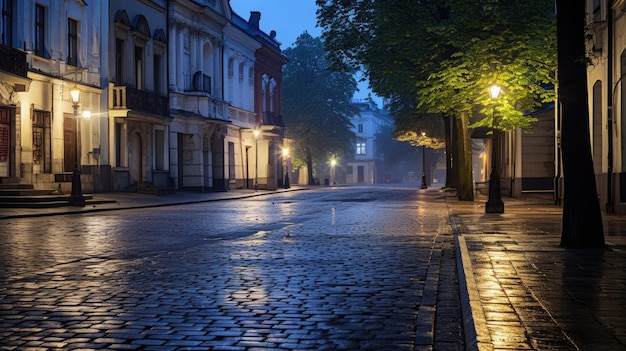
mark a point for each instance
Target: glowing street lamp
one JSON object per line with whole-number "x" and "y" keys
{"x": 494, "y": 203}
{"x": 285, "y": 158}
{"x": 424, "y": 186}
{"x": 256, "y": 159}
{"x": 76, "y": 198}
{"x": 333, "y": 163}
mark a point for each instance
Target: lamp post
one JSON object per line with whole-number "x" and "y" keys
{"x": 424, "y": 186}
{"x": 494, "y": 203}
{"x": 76, "y": 198}
{"x": 333, "y": 163}
{"x": 256, "y": 159}
{"x": 285, "y": 156}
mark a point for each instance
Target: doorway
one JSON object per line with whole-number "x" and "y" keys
{"x": 70, "y": 143}
{"x": 135, "y": 159}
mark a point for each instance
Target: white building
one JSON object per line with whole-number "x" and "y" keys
{"x": 366, "y": 168}
{"x": 49, "y": 47}
{"x": 136, "y": 54}
{"x": 175, "y": 91}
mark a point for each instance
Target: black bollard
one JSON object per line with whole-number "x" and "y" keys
{"x": 287, "y": 181}
{"x": 77, "y": 198}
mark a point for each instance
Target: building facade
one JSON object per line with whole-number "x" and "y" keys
{"x": 171, "y": 94}
{"x": 366, "y": 167}
{"x": 49, "y": 48}
{"x": 136, "y": 55}
{"x": 606, "y": 46}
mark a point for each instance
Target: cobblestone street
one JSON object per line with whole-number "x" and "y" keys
{"x": 332, "y": 270}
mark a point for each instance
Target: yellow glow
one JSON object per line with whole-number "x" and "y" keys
{"x": 256, "y": 133}
{"x": 494, "y": 91}
{"x": 75, "y": 94}
{"x": 285, "y": 152}
{"x": 86, "y": 115}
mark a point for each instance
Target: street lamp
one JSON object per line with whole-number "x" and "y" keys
{"x": 256, "y": 159}
{"x": 333, "y": 163}
{"x": 494, "y": 203}
{"x": 285, "y": 156}
{"x": 77, "y": 198}
{"x": 424, "y": 186}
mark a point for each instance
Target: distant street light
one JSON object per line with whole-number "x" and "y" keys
{"x": 285, "y": 158}
{"x": 76, "y": 198}
{"x": 333, "y": 163}
{"x": 494, "y": 203}
{"x": 424, "y": 186}
{"x": 256, "y": 159}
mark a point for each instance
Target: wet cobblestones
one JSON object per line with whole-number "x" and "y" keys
{"x": 348, "y": 275}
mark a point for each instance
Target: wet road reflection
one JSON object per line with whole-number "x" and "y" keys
{"x": 312, "y": 270}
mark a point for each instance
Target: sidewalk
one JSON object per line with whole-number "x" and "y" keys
{"x": 521, "y": 290}
{"x": 123, "y": 201}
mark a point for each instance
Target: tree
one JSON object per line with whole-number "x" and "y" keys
{"x": 439, "y": 57}
{"x": 316, "y": 104}
{"x": 582, "y": 220}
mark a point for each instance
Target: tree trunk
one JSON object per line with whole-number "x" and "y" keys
{"x": 465, "y": 188}
{"x": 451, "y": 177}
{"x": 582, "y": 219}
{"x": 309, "y": 166}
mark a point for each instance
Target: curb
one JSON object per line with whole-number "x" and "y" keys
{"x": 477, "y": 337}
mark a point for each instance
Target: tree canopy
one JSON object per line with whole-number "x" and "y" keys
{"x": 316, "y": 104}
{"x": 439, "y": 57}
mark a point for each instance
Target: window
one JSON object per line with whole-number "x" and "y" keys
{"x": 360, "y": 148}
{"x": 42, "y": 141}
{"x": 158, "y": 60}
{"x": 7, "y": 22}
{"x": 231, "y": 67}
{"x": 138, "y": 67}
{"x": 251, "y": 76}
{"x": 159, "y": 150}
{"x": 119, "y": 61}
{"x": 360, "y": 127}
{"x": 40, "y": 31}
{"x": 72, "y": 42}
{"x": 241, "y": 73}
{"x": 121, "y": 153}
{"x": 231, "y": 161}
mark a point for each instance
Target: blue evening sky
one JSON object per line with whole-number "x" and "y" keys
{"x": 289, "y": 18}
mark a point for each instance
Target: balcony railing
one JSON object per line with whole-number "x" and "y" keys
{"x": 198, "y": 82}
{"x": 273, "y": 119}
{"x": 13, "y": 61}
{"x": 124, "y": 97}
{"x": 241, "y": 116}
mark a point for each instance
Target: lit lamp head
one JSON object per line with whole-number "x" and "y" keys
{"x": 494, "y": 91}
{"x": 285, "y": 152}
{"x": 75, "y": 95}
{"x": 333, "y": 162}
{"x": 256, "y": 133}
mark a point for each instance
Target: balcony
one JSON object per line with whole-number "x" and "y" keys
{"x": 199, "y": 82}
{"x": 13, "y": 61}
{"x": 242, "y": 117}
{"x": 273, "y": 119}
{"x": 127, "y": 98}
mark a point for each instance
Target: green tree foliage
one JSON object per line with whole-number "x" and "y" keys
{"x": 582, "y": 219}
{"x": 316, "y": 104}
{"x": 441, "y": 56}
